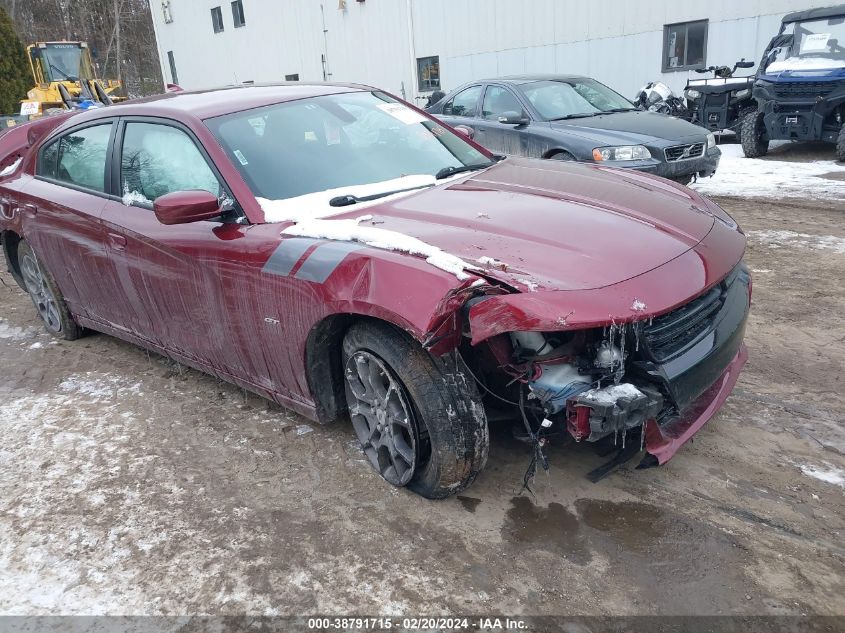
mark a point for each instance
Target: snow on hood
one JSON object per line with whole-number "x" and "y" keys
{"x": 805, "y": 63}
{"x": 349, "y": 230}
{"x": 316, "y": 205}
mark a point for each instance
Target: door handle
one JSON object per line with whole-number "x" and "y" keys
{"x": 117, "y": 241}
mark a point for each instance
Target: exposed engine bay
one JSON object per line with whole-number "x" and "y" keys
{"x": 606, "y": 385}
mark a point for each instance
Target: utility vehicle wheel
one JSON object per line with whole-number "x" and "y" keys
{"x": 736, "y": 128}
{"x": 840, "y": 145}
{"x": 562, "y": 155}
{"x": 419, "y": 419}
{"x": 46, "y": 295}
{"x": 755, "y": 139}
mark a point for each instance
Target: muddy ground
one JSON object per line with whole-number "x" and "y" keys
{"x": 130, "y": 485}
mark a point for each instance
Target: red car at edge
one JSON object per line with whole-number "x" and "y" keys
{"x": 352, "y": 258}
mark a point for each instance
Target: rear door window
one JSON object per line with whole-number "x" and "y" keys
{"x": 464, "y": 103}
{"x": 78, "y": 158}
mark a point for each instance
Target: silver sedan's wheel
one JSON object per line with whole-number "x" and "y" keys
{"x": 382, "y": 417}
{"x": 42, "y": 295}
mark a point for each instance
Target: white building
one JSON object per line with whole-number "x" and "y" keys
{"x": 411, "y": 47}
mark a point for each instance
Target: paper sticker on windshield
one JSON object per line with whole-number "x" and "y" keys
{"x": 815, "y": 42}
{"x": 239, "y": 155}
{"x": 402, "y": 113}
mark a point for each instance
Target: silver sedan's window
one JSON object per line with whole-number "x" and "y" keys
{"x": 557, "y": 99}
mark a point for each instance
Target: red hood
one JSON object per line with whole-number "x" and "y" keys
{"x": 559, "y": 225}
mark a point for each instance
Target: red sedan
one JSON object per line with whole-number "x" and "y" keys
{"x": 352, "y": 258}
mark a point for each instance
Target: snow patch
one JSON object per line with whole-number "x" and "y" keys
{"x": 316, "y": 205}
{"x": 11, "y": 168}
{"x": 766, "y": 178}
{"x": 133, "y": 197}
{"x": 349, "y": 231}
{"x": 303, "y": 429}
{"x": 829, "y": 474}
{"x": 638, "y": 306}
{"x": 98, "y": 388}
{"x": 779, "y": 239}
{"x": 13, "y": 332}
{"x": 609, "y": 395}
{"x": 492, "y": 262}
{"x": 804, "y": 63}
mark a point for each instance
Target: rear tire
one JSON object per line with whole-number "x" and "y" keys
{"x": 46, "y": 296}
{"x": 840, "y": 145}
{"x": 755, "y": 139}
{"x": 429, "y": 412}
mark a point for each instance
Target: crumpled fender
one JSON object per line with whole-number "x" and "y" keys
{"x": 653, "y": 293}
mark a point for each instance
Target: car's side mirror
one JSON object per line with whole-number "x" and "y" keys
{"x": 744, "y": 64}
{"x": 464, "y": 130}
{"x": 184, "y": 207}
{"x": 512, "y": 117}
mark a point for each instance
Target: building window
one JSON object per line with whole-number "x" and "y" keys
{"x": 684, "y": 45}
{"x": 174, "y": 78}
{"x": 293, "y": 77}
{"x": 166, "y": 11}
{"x": 217, "y": 19}
{"x": 238, "y": 13}
{"x": 428, "y": 73}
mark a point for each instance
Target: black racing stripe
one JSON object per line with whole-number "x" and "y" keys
{"x": 286, "y": 255}
{"x": 324, "y": 259}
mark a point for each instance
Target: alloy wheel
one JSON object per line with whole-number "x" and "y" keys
{"x": 382, "y": 417}
{"x": 42, "y": 296}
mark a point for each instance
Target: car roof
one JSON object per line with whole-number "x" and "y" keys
{"x": 524, "y": 79}
{"x": 814, "y": 14}
{"x": 205, "y": 104}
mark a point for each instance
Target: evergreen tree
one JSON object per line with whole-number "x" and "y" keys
{"x": 15, "y": 76}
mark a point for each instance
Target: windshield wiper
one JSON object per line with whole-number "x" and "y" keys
{"x": 451, "y": 170}
{"x": 64, "y": 74}
{"x": 578, "y": 115}
{"x": 345, "y": 201}
{"x": 620, "y": 110}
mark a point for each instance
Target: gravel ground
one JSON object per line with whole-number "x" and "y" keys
{"x": 130, "y": 485}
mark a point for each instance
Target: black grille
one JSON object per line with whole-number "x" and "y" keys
{"x": 675, "y": 331}
{"x": 804, "y": 90}
{"x": 683, "y": 152}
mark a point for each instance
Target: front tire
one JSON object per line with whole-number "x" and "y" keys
{"x": 419, "y": 419}
{"x": 755, "y": 138}
{"x": 840, "y": 145}
{"x": 46, "y": 296}
{"x": 563, "y": 155}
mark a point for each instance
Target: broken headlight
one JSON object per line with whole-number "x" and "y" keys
{"x": 692, "y": 94}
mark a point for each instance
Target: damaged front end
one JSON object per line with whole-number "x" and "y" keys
{"x": 648, "y": 382}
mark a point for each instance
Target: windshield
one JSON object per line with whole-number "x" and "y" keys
{"x": 573, "y": 97}
{"x": 331, "y": 142}
{"x": 822, "y": 39}
{"x": 63, "y": 62}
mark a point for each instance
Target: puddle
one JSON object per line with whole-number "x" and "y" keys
{"x": 656, "y": 550}
{"x": 469, "y": 503}
{"x": 553, "y": 528}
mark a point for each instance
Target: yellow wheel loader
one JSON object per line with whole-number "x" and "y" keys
{"x": 64, "y": 75}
